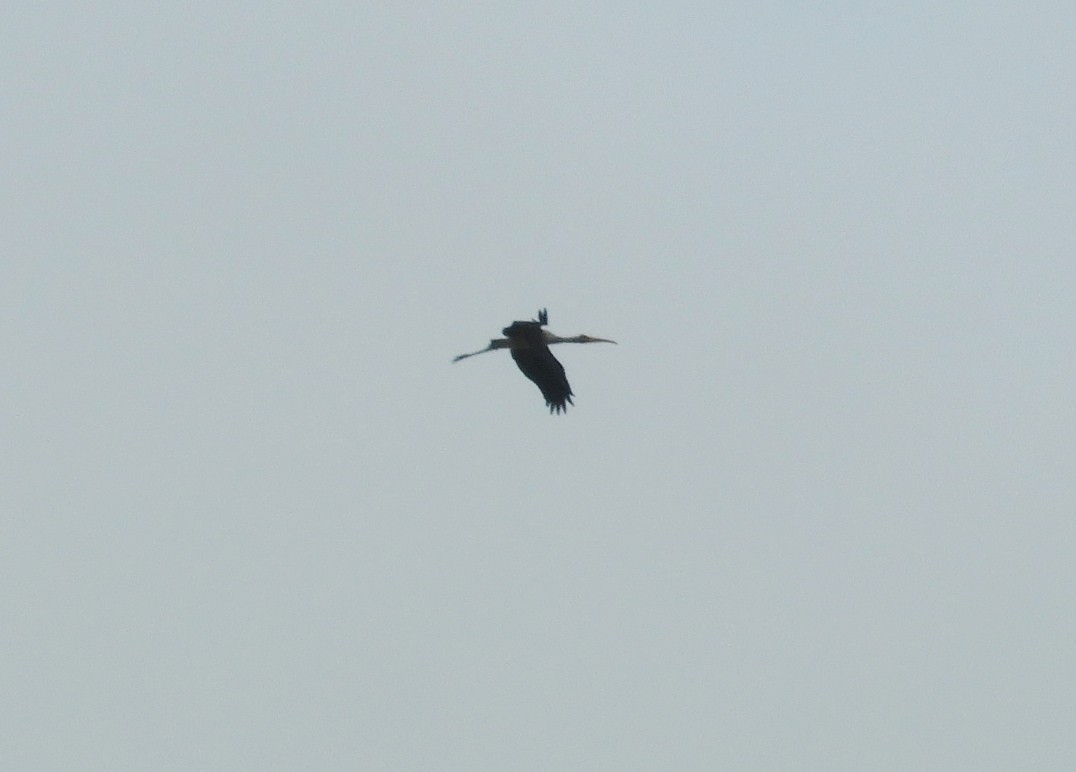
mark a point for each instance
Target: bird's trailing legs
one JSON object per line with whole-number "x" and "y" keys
{"x": 493, "y": 345}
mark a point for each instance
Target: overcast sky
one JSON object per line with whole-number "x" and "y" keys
{"x": 814, "y": 512}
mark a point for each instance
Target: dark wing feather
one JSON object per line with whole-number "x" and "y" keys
{"x": 539, "y": 364}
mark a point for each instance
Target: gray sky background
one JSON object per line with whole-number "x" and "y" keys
{"x": 815, "y": 512}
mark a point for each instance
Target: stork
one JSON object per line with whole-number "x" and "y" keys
{"x": 529, "y": 345}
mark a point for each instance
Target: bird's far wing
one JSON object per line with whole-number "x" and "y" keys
{"x": 538, "y": 364}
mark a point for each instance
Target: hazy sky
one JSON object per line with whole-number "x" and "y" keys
{"x": 815, "y": 512}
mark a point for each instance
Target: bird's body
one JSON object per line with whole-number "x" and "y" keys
{"x": 529, "y": 346}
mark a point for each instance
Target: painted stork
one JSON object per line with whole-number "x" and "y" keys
{"x": 529, "y": 345}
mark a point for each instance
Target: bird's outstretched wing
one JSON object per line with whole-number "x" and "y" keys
{"x": 538, "y": 364}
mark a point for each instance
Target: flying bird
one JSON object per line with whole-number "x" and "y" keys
{"x": 529, "y": 345}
